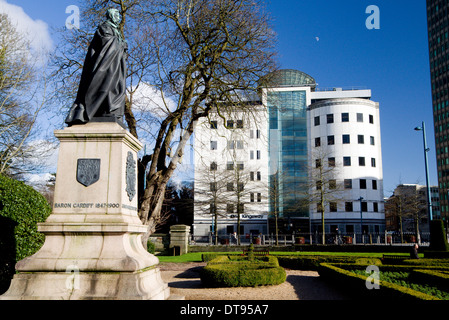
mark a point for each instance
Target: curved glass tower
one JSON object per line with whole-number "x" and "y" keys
{"x": 287, "y": 99}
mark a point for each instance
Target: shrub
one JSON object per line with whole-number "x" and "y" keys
{"x": 352, "y": 283}
{"x": 25, "y": 207}
{"x": 438, "y": 241}
{"x": 241, "y": 272}
{"x": 21, "y": 208}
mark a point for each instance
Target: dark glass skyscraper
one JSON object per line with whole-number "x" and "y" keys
{"x": 438, "y": 29}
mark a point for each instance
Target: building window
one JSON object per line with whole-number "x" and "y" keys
{"x": 330, "y": 118}
{"x": 374, "y": 184}
{"x": 375, "y": 207}
{"x": 349, "y": 207}
{"x": 361, "y": 139}
{"x": 345, "y": 117}
{"x": 257, "y": 134}
{"x": 230, "y": 186}
{"x": 332, "y": 184}
{"x": 251, "y": 134}
{"x": 317, "y": 121}
{"x": 240, "y": 208}
{"x": 371, "y": 119}
{"x": 251, "y": 197}
{"x": 239, "y": 124}
{"x": 239, "y": 144}
{"x": 258, "y": 154}
{"x": 213, "y": 145}
{"x": 371, "y": 141}
{"x": 259, "y": 197}
{"x": 251, "y": 155}
{"x": 251, "y": 176}
{"x": 362, "y": 161}
{"x": 213, "y": 166}
{"x": 359, "y": 117}
{"x": 373, "y": 162}
{"x": 213, "y": 186}
{"x": 213, "y": 208}
{"x": 364, "y": 206}
{"x": 317, "y": 142}
{"x": 331, "y": 162}
{"x": 346, "y": 139}
{"x": 230, "y": 208}
{"x": 348, "y": 183}
{"x": 333, "y": 207}
{"x": 347, "y": 161}
{"x": 230, "y": 124}
{"x": 259, "y": 176}
{"x": 362, "y": 183}
{"x": 240, "y": 187}
{"x": 330, "y": 140}
{"x": 213, "y": 124}
{"x": 230, "y": 166}
{"x": 240, "y": 166}
{"x": 318, "y": 163}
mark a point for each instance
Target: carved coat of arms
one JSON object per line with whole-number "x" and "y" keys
{"x": 88, "y": 171}
{"x": 130, "y": 176}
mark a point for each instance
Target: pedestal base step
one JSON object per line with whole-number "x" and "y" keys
{"x": 146, "y": 285}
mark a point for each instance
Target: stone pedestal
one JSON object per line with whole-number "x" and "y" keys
{"x": 179, "y": 239}
{"x": 92, "y": 246}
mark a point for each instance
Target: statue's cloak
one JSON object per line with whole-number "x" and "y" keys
{"x": 102, "y": 86}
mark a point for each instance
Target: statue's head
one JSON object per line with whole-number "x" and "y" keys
{"x": 114, "y": 16}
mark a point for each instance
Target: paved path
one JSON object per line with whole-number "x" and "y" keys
{"x": 184, "y": 279}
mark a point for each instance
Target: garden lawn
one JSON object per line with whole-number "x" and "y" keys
{"x": 197, "y": 256}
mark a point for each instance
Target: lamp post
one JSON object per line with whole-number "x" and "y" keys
{"x": 361, "y": 217}
{"x": 426, "y": 150}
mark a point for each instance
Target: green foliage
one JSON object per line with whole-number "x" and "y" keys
{"x": 354, "y": 280}
{"x": 25, "y": 207}
{"x": 241, "y": 272}
{"x": 438, "y": 241}
{"x": 151, "y": 247}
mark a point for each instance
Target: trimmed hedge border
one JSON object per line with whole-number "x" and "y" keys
{"x": 355, "y": 285}
{"x": 224, "y": 272}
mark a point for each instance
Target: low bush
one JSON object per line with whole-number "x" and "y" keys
{"x": 21, "y": 208}
{"x": 353, "y": 281}
{"x": 224, "y": 271}
{"x": 305, "y": 262}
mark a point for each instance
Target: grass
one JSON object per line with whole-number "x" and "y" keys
{"x": 196, "y": 256}
{"x": 403, "y": 279}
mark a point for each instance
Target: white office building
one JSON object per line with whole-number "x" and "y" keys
{"x": 231, "y": 174}
{"x": 253, "y": 167}
{"x": 345, "y": 131}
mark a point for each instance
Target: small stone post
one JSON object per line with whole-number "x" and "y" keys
{"x": 179, "y": 239}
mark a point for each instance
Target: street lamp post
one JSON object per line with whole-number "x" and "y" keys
{"x": 361, "y": 218}
{"x": 426, "y": 150}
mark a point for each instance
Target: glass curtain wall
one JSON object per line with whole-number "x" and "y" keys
{"x": 287, "y": 153}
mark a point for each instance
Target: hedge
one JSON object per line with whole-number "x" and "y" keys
{"x": 355, "y": 285}
{"x": 224, "y": 272}
{"x": 21, "y": 208}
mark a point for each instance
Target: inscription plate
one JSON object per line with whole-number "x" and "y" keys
{"x": 88, "y": 171}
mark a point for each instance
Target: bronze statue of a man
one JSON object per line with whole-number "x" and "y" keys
{"x": 102, "y": 89}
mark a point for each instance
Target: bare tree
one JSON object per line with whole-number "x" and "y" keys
{"x": 197, "y": 55}
{"x": 324, "y": 189}
{"x": 408, "y": 202}
{"x": 211, "y": 184}
{"x": 19, "y": 102}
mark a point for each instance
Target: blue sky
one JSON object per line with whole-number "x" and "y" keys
{"x": 329, "y": 41}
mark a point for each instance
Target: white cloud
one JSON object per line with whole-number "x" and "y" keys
{"x": 36, "y": 31}
{"x": 149, "y": 99}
